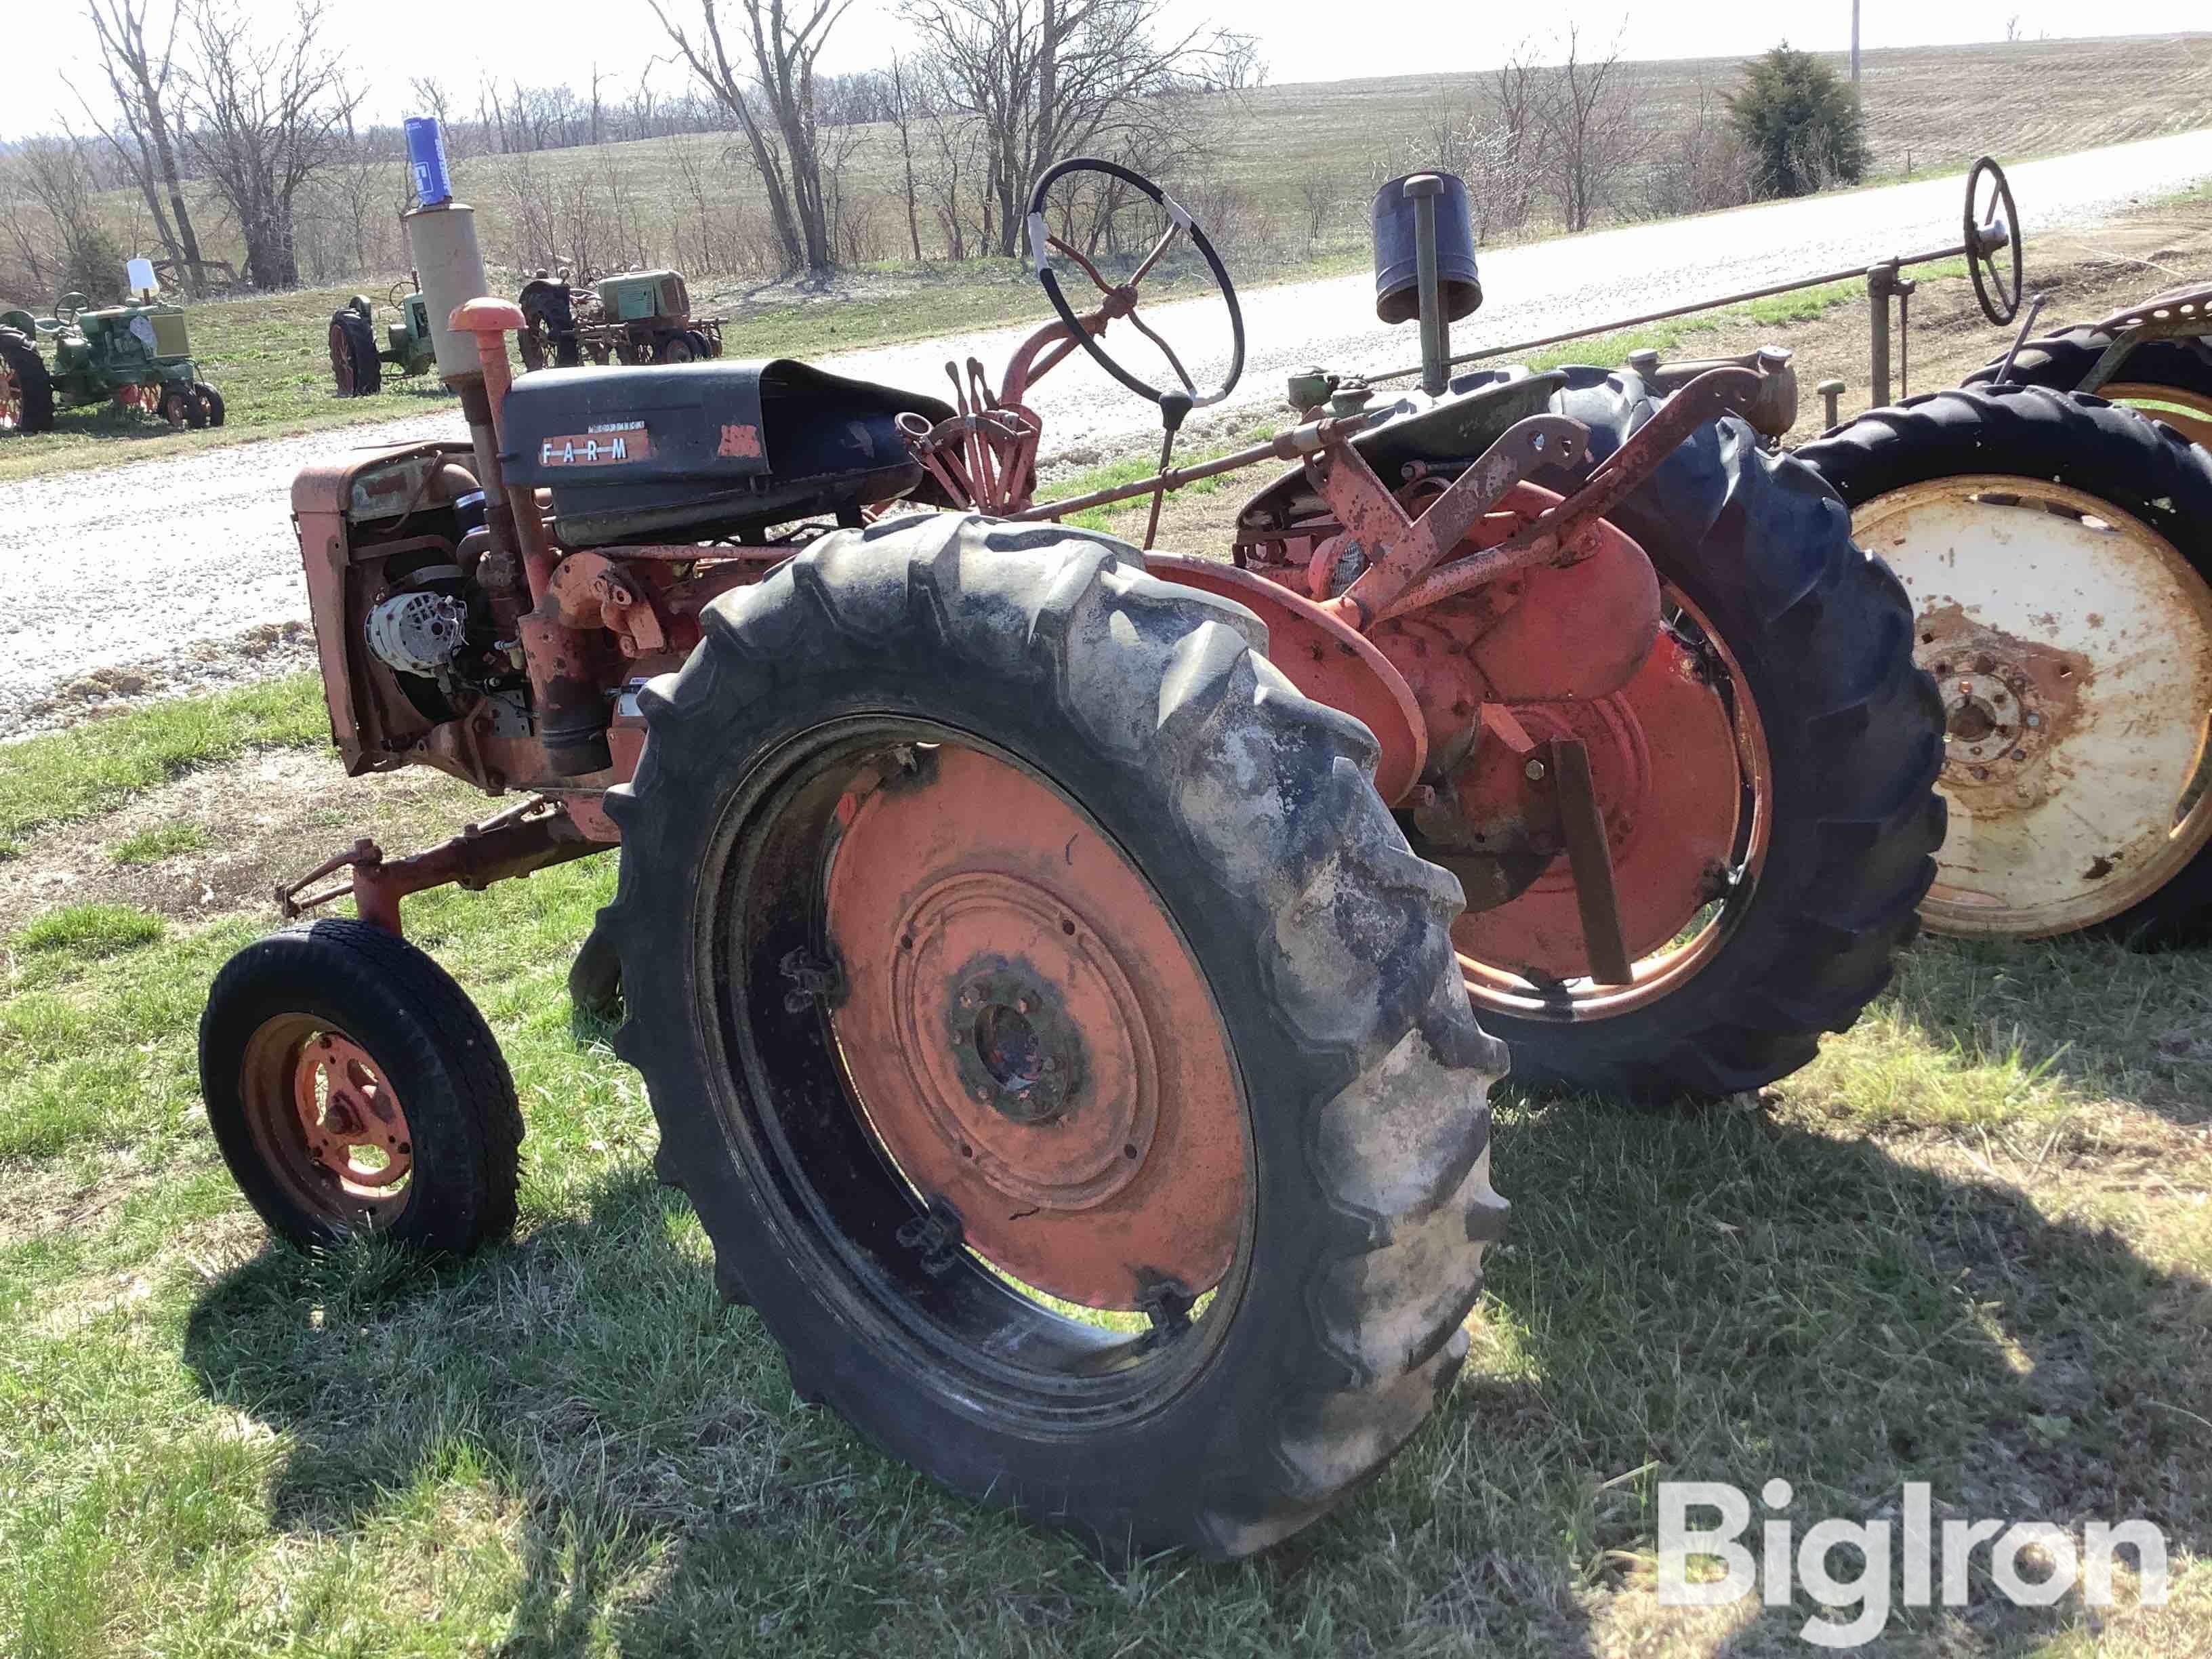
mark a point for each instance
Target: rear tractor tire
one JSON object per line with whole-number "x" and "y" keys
{"x": 998, "y": 930}
{"x": 2058, "y": 550}
{"x": 1773, "y": 816}
{"x": 355, "y": 369}
{"x": 353, "y": 1088}
{"x": 26, "y": 391}
{"x": 2168, "y": 380}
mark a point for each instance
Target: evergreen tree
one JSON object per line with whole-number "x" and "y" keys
{"x": 1802, "y": 123}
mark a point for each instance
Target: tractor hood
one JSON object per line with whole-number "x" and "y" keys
{"x": 699, "y": 450}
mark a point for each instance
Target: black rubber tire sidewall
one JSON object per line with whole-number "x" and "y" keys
{"x": 1853, "y": 732}
{"x": 429, "y": 1038}
{"x": 2102, "y": 449}
{"x": 2061, "y": 361}
{"x": 31, "y": 377}
{"x": 1218, "y": 1446}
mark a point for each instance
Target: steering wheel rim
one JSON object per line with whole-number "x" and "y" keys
{"x": 64, "y": 312}
{"x": 1179, "y": 220}
{"x": 2000, "y": 302}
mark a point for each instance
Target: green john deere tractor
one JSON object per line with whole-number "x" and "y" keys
{"x": 357, "y": 361}
{"x": 637, "y": 317}
{"x": 138, "y": 356}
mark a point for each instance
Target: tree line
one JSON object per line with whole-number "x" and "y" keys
{"x": 196, "y": 112}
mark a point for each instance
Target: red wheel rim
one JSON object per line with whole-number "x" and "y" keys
{"x": 1029, "y": 1037}
{"x": 327, "y": 1122}
{"x": 1679, "y": 762}
{"x": 11, "y": 400}
{"x": 340, "y": 360}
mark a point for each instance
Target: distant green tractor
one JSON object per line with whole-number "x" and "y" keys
{"x": 357, "y": 362}
{"x": 638, "y": 317}
{"x": 138, "y": 356}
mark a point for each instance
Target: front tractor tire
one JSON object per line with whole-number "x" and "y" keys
{"x": 354, "y": 1088}
{"x": 1821, "y": 749}
{"x": 998, "y": 930}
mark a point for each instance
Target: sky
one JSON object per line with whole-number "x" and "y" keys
{"x": 533, "y": 40}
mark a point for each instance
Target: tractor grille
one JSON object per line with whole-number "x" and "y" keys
{"x": 169, "y": 338}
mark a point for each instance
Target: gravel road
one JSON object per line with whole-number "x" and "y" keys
{"x": 157, "y": 565}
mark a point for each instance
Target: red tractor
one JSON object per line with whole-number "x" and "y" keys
{"x": 1061, "y": 972}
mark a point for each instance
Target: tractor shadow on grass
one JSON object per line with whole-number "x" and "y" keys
{"x": 1713, "y": 1295}
{"x": 1725, "y": 1294}
{"x": 2106, "y": 1021}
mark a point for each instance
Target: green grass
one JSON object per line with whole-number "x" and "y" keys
{"x": 91, "y": 930}
{"x": 57, "y": 777}
{"x": 1969, "y": 1246}
{"x": 163, "y": 840}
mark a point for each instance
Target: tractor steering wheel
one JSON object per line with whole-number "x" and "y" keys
{"x": 65, "y": 311}
{"x": 1121, "y": 298}
{"x": 1999, "y": 299}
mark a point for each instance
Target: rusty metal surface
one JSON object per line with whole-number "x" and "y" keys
{"x": 1668, "y": 769}
{"x": 1581, "y": 825}
{"x": 2072, "y": 646}
{"x": 525, "y": 837}
{"x": 1573, "y": 529}
{"x": 327, "y": 1122}
{"x": 1031, "y": 1039}
{"x": 1396, "y": 548}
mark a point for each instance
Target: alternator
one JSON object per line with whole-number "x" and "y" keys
{"x": 417, "y": 633}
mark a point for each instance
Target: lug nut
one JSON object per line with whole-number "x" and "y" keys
{"x": 1534, "y": 770}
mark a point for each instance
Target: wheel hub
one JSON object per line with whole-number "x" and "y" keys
{"x": 349, "y": 1116}
{"x": 2072, "y": 647}
{"x": 1667, "y": 763}
{"x": 1031, "y": 1043}
{"x": 2006, "y": 701}
{"x": 1044, "y": 1080}
{"x": 1014, "y": 1046}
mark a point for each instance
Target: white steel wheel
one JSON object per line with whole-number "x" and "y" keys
{"x": 2072, "y": 645}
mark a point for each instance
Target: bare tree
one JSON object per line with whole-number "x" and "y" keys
{"x": 1046, "y": 78}
{"x": 1697, "y": 164}
{"x": 906, "y": 104}
{"x": 139, "y": 76}
{"x": 1589, "y": 127}
{"x": 56, "y": 239}
{"x": 782, "y": 47}
{"x": 1321, "y": 194}
{"x": 263, "y": 120}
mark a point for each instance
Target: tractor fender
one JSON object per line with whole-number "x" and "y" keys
{"x": 1576, "y": 631}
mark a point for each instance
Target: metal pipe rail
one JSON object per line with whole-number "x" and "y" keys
{"x": 1983, "y": 239}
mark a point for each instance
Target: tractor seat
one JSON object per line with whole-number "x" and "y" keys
{"x": 693, "y": 452}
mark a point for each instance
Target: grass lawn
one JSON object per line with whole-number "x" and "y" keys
{"x": 1971, "y": 1246}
